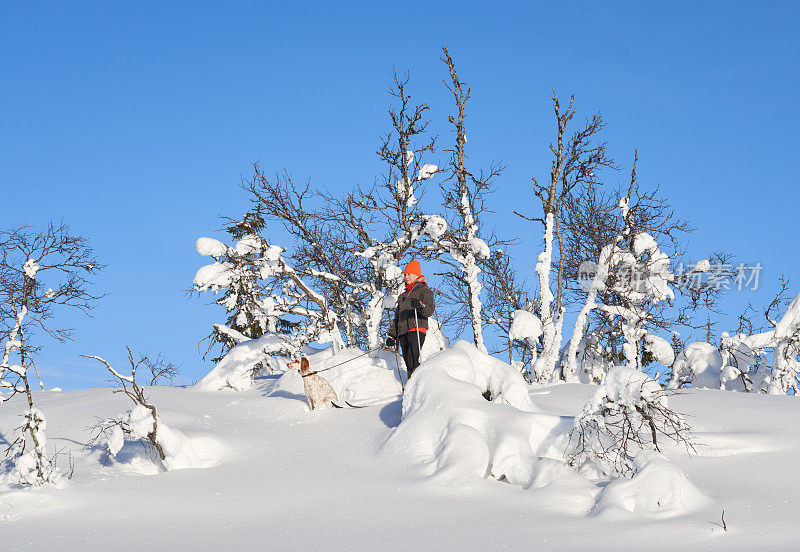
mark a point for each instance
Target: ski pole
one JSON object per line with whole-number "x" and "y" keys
{"x": 399, "y": 376}
{"x": 419, "y": 344}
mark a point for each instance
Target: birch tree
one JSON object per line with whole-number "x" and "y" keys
{"x": 632, "y": 278}
{"x": 464, "y": 191}
{"x": 742, "y": 352}
{"x": 41, "y": 273}
{"x": 576, "y": 160}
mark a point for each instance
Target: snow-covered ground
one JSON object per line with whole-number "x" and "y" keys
{"x": 280, "y": 477}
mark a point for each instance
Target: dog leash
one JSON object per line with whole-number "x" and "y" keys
{"x": 345, "y": 362}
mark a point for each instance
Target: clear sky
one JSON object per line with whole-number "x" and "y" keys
{"x": 134, "y": 121}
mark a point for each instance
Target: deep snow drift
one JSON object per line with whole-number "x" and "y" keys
{"x": 460, "y": 472}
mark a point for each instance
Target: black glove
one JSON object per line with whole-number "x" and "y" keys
{"x": 416, "y": 303}
{"x": 390, "y": 342}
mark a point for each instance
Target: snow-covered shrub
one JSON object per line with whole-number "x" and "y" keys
{"x": 28, "y": 465}
{"x": 740, "y": 362}
{"x": 627, "y": 414}
{"x": 784, "y": 376}
{"x": 173, "y": 449}
{"x": 143, "y": 424}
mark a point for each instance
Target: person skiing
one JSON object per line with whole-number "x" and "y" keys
{"x": 414, "y": 307}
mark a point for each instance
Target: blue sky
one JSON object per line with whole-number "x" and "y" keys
{"x": 134, "y": 122}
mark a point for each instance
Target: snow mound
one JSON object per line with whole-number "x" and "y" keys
{"x": 562, "y": 488}
{"x": 435, "y": 341}
{"x": 660, "y": 489}
{"x": 720, "y": 445}
{"x": 181, "y": 451}
{"x": 238, "y": 367}
{"x": 355, "y": 376}
{"x": 451, "y": 430}
{"x": 184, "y": 451}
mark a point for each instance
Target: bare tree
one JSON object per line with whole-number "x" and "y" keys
{"x": 464, "y": 193}
{"x": 136, "y": 394}
{"x": 41, "y": 272}
{"x": 142, "y": 423}
{"x": 505, "y": 294}
{"x": 160, "y": 369}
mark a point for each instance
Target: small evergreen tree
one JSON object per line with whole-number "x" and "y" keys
{"x": 247, "y": 296}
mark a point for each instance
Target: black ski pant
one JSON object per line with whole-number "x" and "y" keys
{"x": 411, "y": 344}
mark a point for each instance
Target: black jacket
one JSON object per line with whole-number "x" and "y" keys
{"x": 404, "y": 320}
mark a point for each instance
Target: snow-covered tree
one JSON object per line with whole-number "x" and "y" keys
{"x": 752, "y": 359}
{"x": 464, "y": 191}
{"x": 628, "y": 413}
{"x": 296, "y": 296}
{"x": 321, "y": 245}
{"x": 351, "y": 248}
{"x": 631, "y": 283}
{"x": 576, "y": 160}
{"x": 39, "y": 273}
{"x": 741, "y": 354}
{"x": 245, "y": 295}
{"x": 141, "y": 423}
{"x": 631, "y": 267}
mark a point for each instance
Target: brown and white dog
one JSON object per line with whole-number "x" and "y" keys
{"x": 319, "y": 392}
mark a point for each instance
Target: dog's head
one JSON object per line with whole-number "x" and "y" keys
{"x": 300, "y": 364}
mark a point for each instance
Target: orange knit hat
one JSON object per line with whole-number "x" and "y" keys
{"x": 413, "y": 268}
